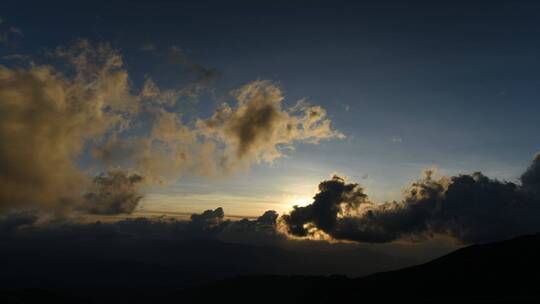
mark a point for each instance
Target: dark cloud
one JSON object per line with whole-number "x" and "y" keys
{"x": 469, "y": 207}
{"x": 265, "y": 224}
{"x": 268, "y": 218}
{"x": 208, "y": 216}
{"x": 334, "y": 196}
{"x": 113, "y": 193}
{"x": 210, "y": 221}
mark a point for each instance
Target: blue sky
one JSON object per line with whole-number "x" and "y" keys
{"x": 412, "y": 85}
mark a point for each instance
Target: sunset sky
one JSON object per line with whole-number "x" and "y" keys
{"x": 405, "y": 87}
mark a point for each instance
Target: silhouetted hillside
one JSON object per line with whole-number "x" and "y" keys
{"x": 501, "y": 272}
{"x": 96, "y": 267}
{"x": 116, "y": 262}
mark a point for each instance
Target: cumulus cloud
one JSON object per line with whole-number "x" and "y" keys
{"x": 258, "y": 126}
{"x": 212, "y": 223}
{"x": 469, "y": 207}
{"x": 334, "y": 197}
{"x": 208, "y": 221}
{"x": 46, "y": 119}
{"x": 50, "y": 115}
{"x": 262, "y": 231}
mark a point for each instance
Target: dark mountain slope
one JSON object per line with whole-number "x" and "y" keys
{"x": 509, "y": 267}
{"x": 502, "y": 272}
{"x": 118, "y": 262}
{"x": 117, "y": 268}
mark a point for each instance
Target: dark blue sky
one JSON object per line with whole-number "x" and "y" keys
{"x": 411, "y": 84}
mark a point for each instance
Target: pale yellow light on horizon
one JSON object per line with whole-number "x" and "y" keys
{"x": 233, "y": 205}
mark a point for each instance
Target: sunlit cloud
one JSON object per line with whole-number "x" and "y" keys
{"x": 130, "y": 132}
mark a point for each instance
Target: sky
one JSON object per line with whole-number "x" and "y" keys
{"x": 210, "y": 139}
{"x": 407, "y": 86}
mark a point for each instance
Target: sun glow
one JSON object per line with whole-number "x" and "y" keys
{"x": 297, "y": 200}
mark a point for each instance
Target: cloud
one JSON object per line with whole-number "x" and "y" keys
{"x": 46, "y": 118}
{"x": 261, "y": 231}
{"x": 208, "y": 221}
{"x": 258, "y": 127}
{"x": 113, "y": 193}
{"x": 266, "y": 224}
{"x": 470, "y": 208}
{"x": 153, "y": 93}
{"x": 212, "y": 223}
{"x": 254, "y": 131}
{"x": 51, "y": 115}
{"x": 334, "y": 198}
{"x": 208, "y": 216}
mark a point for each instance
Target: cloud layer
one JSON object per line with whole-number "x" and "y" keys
{"x": 51, "y": 115}
{"x": 470, "y": 208}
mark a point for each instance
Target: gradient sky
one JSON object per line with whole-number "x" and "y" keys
{"x": 411, "y": 85}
